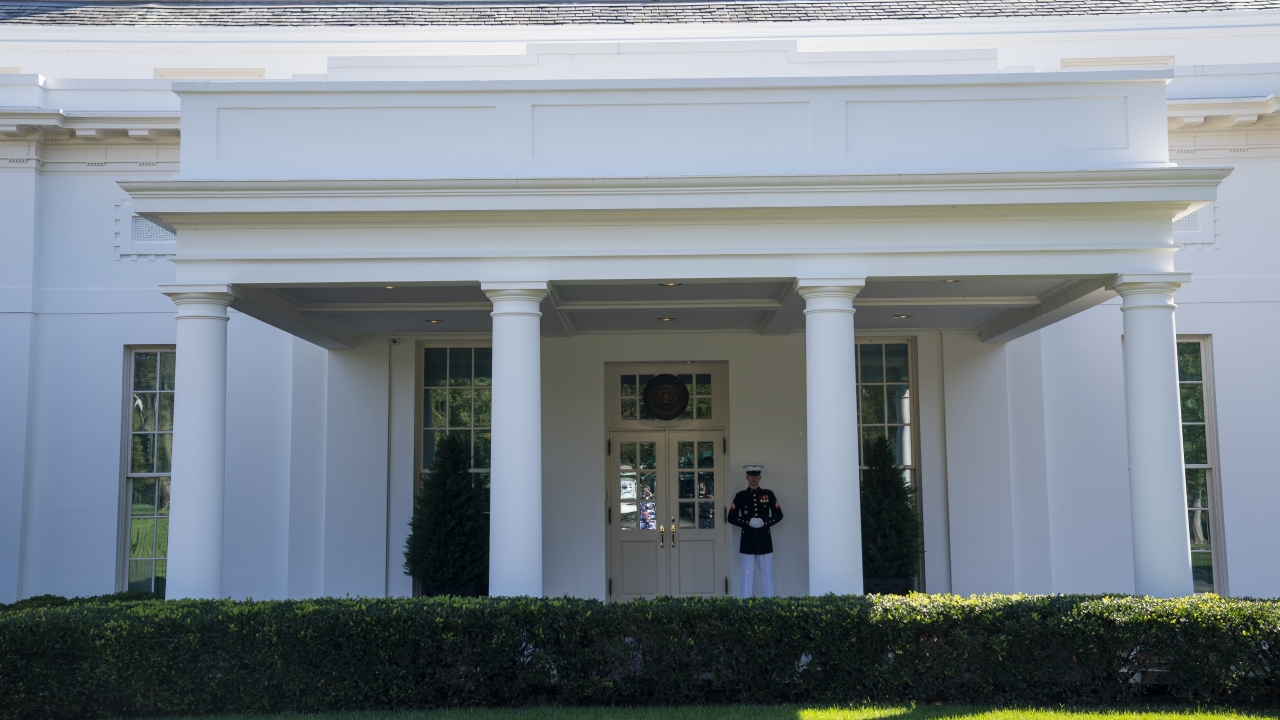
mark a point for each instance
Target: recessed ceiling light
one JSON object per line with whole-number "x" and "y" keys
{"x": 688, "y": 362}
{"x": 950, "y": 281}
{"x": 901, "y": 317}
{"x": 388, "y": 287}
{"x": 433, "y": 322}
{"x": 670, "y": 284}
{"x": 665, "y": 319}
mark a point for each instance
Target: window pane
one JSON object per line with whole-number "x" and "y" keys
{"x": 898, "y": 403}
{"x": 901, "y": 437}
{"x": 648, "y": 516}
{"x": 1198, "y": 523}
{"x": 144, "y": 371}
{"x": 435, "y": 408}
{"x": 644, "y": 380}
{"x": 1192, "y": 402}
{"x": 687, "y": 515}
{"x": 1194, "y": 449}
{"x": 167, "y": 361}
{"x": 627, "y": 486}
{"x": 648, "y": 455}
{"x": 648, "y": 486}
{"x": 704, "y": 408}
{"x": 687, "y": 489}
{"x": 1197, "y": 488}
{"x": 428, "y": 449}
{"x": 161, "y": 572}
{"x": 869, "y": 434}
{"x": 870, "y": 363}
{"x": 627, "y": 456}
{"x": 687, "y": 379}
{"x": 162, "y": 496}
{"x": 433, "y": 366}
{"x": 706, "y": 516}
{"x": 144, "y": 412}
{"x": 140, "y": 575}
{"x": 872, "y": 410}
{"x": 143, "y": 500}
{"x": 162, "y": 537}
{"x": 164, "y": 452}
{"x": 164, "y": 411}
{"x": 644, "y": 412}
{"x": 684, "y": 454}
{"x": 628, "y": 408}
{"x": 703, "y": 385}
{"x": 142, "y": 537}
{"x": 1189, "y": 361}
{"x": 459, "y": 408}
{"x": 706, "y": 484}
{"x": 896, "y": 367}
{"x": 459, "y": 366}
{"x": 628, "y": 386}
{"x": 484, "y": 407}
{"x": 627, "y": 518}
{"x": 142, "y": 455}
{"x": 482, "y": 441}
{"x": 706, "y": 454}
{"x": 484, "y": 366}
{"x": 1202, "y": 571}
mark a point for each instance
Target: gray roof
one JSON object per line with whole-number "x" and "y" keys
{"x": 624, "y": 12}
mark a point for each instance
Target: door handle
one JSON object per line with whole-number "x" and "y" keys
{"x": 662, "y": 535}
{"x": 673, "y": 531}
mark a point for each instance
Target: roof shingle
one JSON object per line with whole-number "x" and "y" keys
{"x": 623, "y": 12}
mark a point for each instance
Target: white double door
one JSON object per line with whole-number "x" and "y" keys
{"x": 668, "y": 493}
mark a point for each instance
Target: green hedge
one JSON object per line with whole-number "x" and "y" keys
{"x": 179, "y": 657}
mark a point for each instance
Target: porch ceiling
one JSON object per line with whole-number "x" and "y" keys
{"x": 764, "y": 305}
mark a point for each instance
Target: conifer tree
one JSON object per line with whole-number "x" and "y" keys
{"x": 448, "y": 547}
{"x": 891, "y": 534}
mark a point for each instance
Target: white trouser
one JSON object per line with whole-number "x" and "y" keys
{"x": 749, "y": 563}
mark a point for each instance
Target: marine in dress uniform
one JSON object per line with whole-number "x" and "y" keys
{"x": 755, "y": 510}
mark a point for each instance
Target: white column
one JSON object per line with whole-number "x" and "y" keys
{"x": 515, "y": 480}
{"x": 199, "y": 441}
{"x": 1157, "y": 488}
{"x": 831, "y": 392}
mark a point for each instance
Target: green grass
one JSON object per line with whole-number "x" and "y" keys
{"x": 759, "y": 712}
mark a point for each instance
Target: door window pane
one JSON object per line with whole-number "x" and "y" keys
{"x": 648, "y": 456}
{"x": 706, "y": 516}
{"x": 627, "y": 518}
{"x": 688, "y": 515}
{"x": 687, "y": 488}
{"x": 648, "y": 516}
{"x": 706, "y": 484}
{"x": 706, "y": 454}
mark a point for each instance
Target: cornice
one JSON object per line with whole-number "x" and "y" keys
{"x": 1226, "y": 129}
{"x": 165, "y": 201}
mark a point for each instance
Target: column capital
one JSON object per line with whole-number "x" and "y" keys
{"x": 1148, "y": 290}
{"x": 202, "y": 300}
{"x": 829, "y": 294}
{"x": 516, "y": 297}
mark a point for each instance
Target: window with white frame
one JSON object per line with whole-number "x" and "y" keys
{"x": 886, "y": 407}
{"x": 1199, "y": 455}
{"x": 148, "y": 459}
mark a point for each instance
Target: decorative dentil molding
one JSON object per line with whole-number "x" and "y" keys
{"x": 1225, "y": 128}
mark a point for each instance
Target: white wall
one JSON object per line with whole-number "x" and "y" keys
{"x": 255, "y": 547}
{"x": 355, "y": 503}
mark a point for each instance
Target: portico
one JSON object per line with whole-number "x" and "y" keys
{"x": 538, "y": 228}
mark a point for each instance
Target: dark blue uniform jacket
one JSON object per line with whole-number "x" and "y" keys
{"x": 761, "y": 504}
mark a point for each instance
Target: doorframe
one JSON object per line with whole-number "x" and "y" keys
{"x": 613, "y": 423}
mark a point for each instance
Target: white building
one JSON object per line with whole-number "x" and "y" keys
{"x": 498, "y": 219}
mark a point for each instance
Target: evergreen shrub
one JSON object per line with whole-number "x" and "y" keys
{"x": 892, "y": 539}
{"x": 447, "y": 551}
{"x": 194, "y": 657}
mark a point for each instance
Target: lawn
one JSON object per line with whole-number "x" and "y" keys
{"x": 758, "y": 712}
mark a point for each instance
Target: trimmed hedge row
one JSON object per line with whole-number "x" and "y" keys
{"x": 194, "y": 657}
